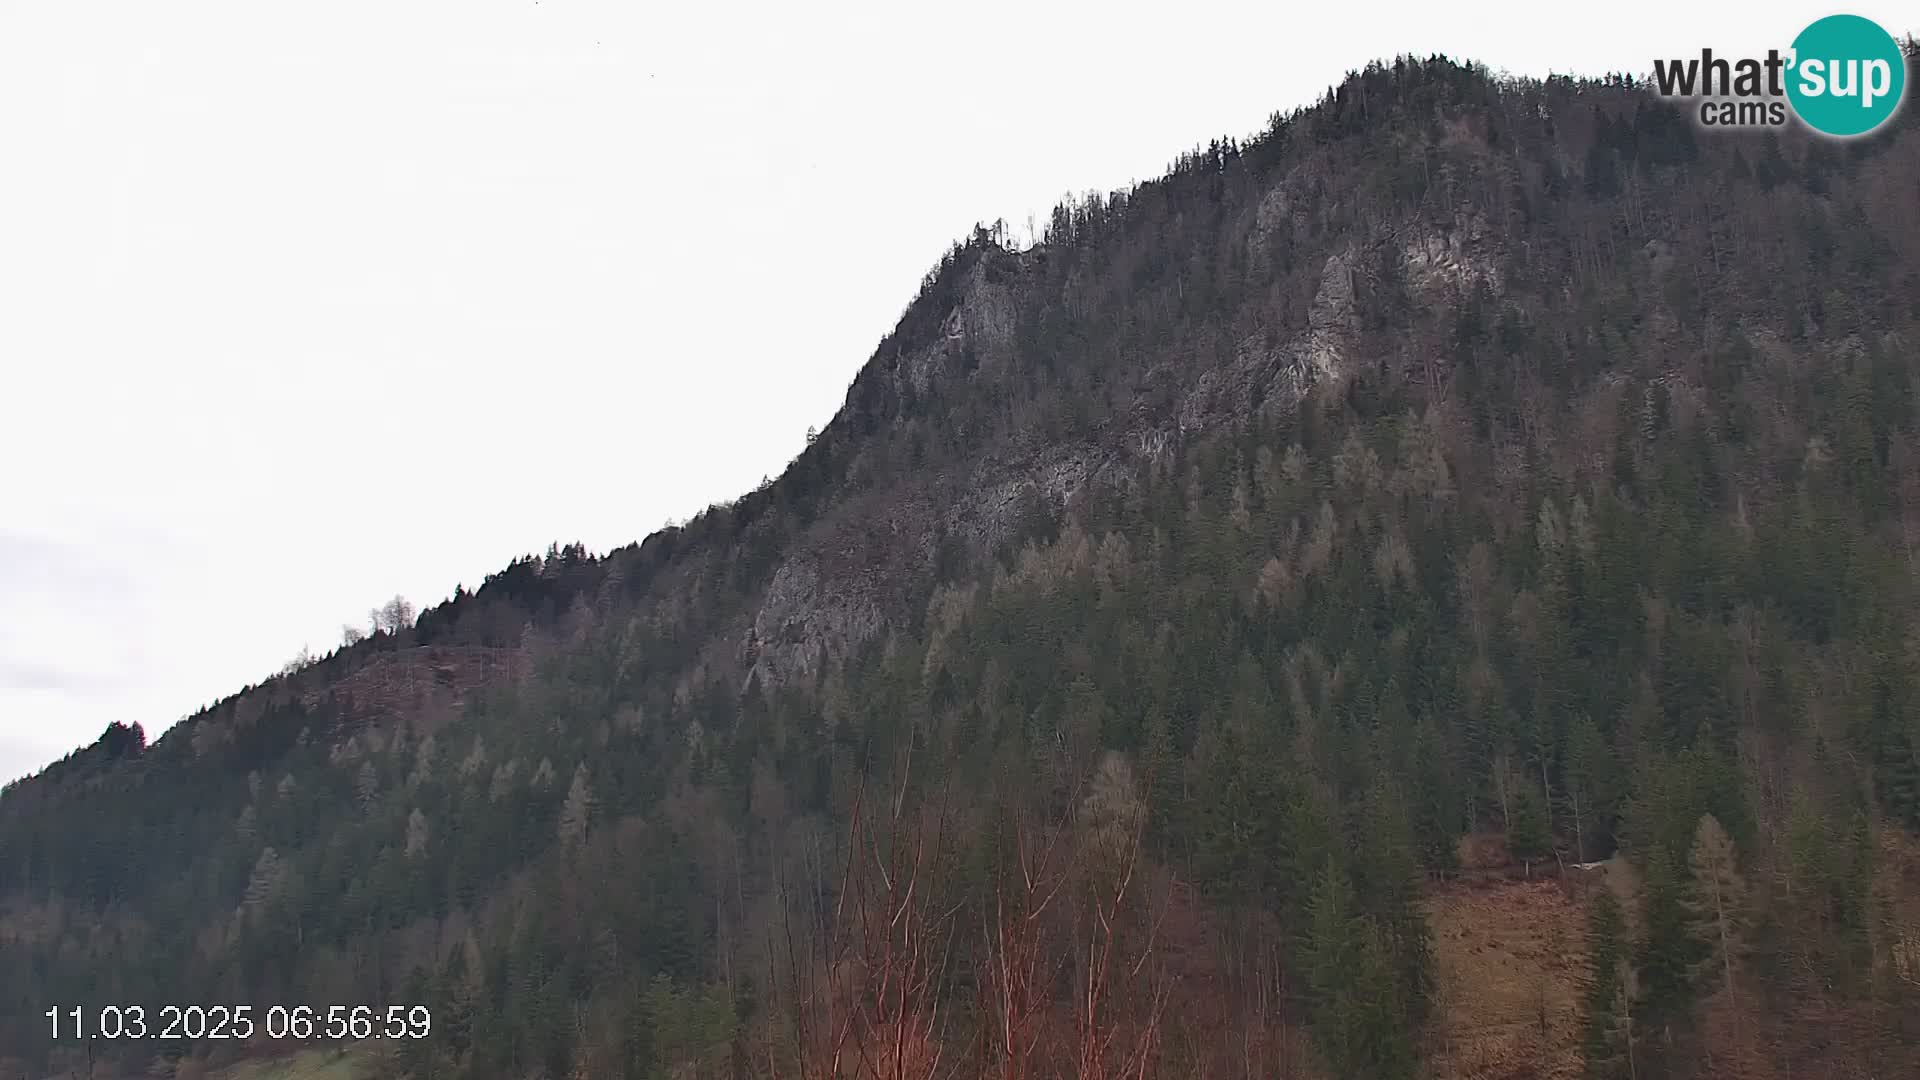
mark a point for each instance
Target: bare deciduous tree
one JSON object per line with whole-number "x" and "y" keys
{"x": 870, "y": 988}
{"x": 1719, "y": 894}
{"x": 393, "y": 616}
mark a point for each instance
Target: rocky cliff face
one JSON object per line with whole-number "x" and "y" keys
{"x": 850, "y": 581}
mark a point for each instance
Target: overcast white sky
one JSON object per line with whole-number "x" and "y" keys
{"x": 303, "y": 305}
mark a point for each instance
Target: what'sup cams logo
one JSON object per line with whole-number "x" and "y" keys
{"x": 1844, "y": 76}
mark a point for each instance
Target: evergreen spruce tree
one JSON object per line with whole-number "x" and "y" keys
{"x": 1589, "y": 791}
{"x": 1528, "y": 837}
{"x": 1388, "y": 876}
{"x": 1353, "y": 993}
{"x": 1668, "y": 952}
{"x": 1607, "y": 1003}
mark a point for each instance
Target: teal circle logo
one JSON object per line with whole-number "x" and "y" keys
{"x": 1847, "y": 77}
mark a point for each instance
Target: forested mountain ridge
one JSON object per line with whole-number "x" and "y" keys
{"x": 1457, "y": 459}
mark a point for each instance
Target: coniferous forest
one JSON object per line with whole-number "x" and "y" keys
{"x": 1432, "y": 589}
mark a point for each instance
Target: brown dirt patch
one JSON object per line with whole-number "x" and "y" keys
{"x": 1509, "y": 959}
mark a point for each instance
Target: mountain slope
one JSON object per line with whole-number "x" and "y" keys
{"x": 1457, "y": 460}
